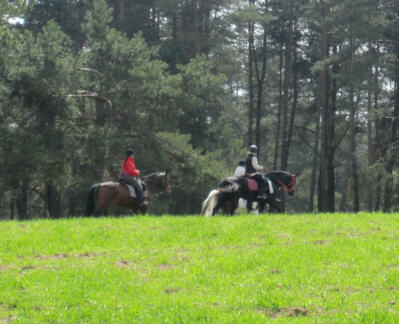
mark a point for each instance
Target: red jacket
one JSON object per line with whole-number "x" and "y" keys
{"x": 129, "y": 168}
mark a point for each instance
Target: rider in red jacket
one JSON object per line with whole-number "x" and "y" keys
{"x": 130, "y": 174}
{"x": 129, "y": 167}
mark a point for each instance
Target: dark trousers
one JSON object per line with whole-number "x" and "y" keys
{"x": 261, "y": 182}
{"x": 125, "y": 179}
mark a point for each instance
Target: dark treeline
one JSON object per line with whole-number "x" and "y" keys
{"x": 189, "y": 85}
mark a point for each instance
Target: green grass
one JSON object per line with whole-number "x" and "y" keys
{"x": 329, "y": 268}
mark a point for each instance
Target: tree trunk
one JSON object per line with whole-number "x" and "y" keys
{"x": 295, "y": 96}
{"x": 286, "y": 89}
{"x": 260, "y": 80}
{"x": 100, "y": 150}
{"x": 47, "y": 110}
{"x": 22, "y": 200}
{"x": 53, "y": 201}
{"x": 174, "y": 26}
{"x": 352, "y": 131}
{"x": 280, "y": 97}
{"x": 195, "y": 27}
{"x": 370, "y": 148}
{"x": 393, "y": 146}
{"x": 12, "y": 205}
{"x": 323, "y": 95}
{"x": 330, "y": 190}
{"x": 378, "y": 139}
{"x": 121, "y": 11}
{"x": 315, "y": 159}
{"x": 347, "y": 174}
{"x": 250, "y": 81}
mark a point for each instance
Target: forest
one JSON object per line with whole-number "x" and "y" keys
{"x": 190, "y": 85}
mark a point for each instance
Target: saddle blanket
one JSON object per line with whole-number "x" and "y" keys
{"x": 253, "y": 185}
{"x": 132, "y": 192}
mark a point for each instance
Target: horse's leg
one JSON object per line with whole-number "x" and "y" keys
{"x": 277, "y": 207}
{"x": 103, "y": 208}
{"x": 105, "y": 198}
{"x": 262, "y": 205}
{"x": 97, "y": 210}
{"x": 225, "y": 208}
{"x": 249, "y": 205}
{"x": 216, "y": 208}
{"x": 274, "y": 206}
{"x": 100, "y": 209}
{"x": 219, "y": 204}
{"x": 234, "y": 205}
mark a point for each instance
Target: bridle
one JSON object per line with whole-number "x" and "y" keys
{"x": 291, "y": 186}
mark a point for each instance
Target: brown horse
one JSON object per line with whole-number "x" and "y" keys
{"x": 102, "y": 195}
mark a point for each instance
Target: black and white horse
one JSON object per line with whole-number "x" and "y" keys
{"x": 231, "y": 189}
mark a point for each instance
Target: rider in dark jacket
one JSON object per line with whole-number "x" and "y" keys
{"x": 252, "y": 169}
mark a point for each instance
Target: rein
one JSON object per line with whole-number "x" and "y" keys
{"x": 152, "y": 182}
{"x": 290, "y": 186}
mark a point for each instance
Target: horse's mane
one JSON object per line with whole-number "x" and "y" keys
{"x": 279, "y": 172}
{"x": 151, "y": 175}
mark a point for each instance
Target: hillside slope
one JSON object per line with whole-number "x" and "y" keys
{"x": 302, "y": 268}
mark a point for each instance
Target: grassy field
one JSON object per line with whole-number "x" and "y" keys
{"x": 329, "y": 268}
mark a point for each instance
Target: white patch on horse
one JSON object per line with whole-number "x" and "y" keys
{"x": 132, "y": 192}
{"x": 271, "y": 190}
{"x": 242, "y": 207}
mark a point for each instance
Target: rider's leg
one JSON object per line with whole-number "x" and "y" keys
{"x": 262, "y": 185}
{"x": 139, "y": 192}
{"x": 129, "y": 180}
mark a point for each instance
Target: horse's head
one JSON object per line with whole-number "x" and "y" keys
{"x": 164, "y": 182}
{"x": 284, "y": 180}
{"x": 158, "y": 182}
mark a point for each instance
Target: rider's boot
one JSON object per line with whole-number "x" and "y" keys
{"x": 140, "y": 200}
{"x": 261, "y": 189}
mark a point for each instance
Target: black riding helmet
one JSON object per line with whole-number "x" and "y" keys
{"x": 129, "y": 152}
{"x": 253, "y": 149}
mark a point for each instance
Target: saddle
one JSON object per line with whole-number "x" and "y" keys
{"x": 132, "y": 191}
{"x": 253, "y": 185}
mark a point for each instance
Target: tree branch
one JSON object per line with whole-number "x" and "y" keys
{"x": 89, "y": 70}
{"x": 92, "y": 94}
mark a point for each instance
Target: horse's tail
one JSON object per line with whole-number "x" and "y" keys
{"x": 91, "y": 201}
{"x": 215, "y": 195}
{"x": 209, "y": 203}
